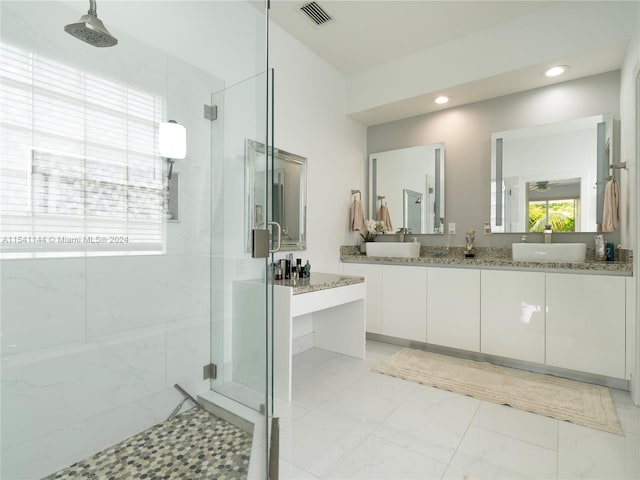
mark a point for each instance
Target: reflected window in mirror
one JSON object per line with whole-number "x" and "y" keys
{"x": 551, "y": 174}
{"x": 411, "y": 181}
{"x": 279, "y": 193}
{"x": 555, "y": 203}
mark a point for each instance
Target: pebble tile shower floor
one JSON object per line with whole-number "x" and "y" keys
{"x": 192, "y": 446}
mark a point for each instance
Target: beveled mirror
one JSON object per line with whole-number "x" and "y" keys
{"x": 287, "y": 199}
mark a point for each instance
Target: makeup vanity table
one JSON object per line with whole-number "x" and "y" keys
{"x": 324, "y": 311}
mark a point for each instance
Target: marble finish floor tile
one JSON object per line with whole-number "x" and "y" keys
{"x": 194, "y": 445}
{"x": 430, "y": 421}
{"x": 483, "y": 454}
{"x": 526, "y": 426}
{"x": 376, "y": 458}
{"x": 592, "y": 454}
{"x": 347, "y": 422}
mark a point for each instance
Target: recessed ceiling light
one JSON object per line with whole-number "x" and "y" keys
{"x": 555, "y": 71}
{"x": 441, "y": 100}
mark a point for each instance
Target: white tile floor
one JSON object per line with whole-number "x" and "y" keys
{"x": 347, "y": 422}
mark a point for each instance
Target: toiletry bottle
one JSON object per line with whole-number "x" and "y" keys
{"x": 287, "y": 269}
{"x": 307, "y": 269}
{"x": 609, "y": 252}
{"x": 599, "y": 244}
{"x": 299, "y": 268}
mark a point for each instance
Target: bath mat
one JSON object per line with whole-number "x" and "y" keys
{"x": 560, "y": 398}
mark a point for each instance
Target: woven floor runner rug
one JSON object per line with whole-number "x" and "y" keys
{"x": 560, "y": 398}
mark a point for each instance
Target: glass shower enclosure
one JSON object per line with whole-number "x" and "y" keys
{"x": 122, "y": 272}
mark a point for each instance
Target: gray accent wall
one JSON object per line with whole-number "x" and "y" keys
{"x": 466, "y": 132}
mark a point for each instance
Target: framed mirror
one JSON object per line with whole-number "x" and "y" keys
{"x": 410, "y": 182}
{"x": 551, "y": 174}
{"x": 288, "y": 197}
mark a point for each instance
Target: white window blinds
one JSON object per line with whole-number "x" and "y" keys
{"x": 79, "y": 169}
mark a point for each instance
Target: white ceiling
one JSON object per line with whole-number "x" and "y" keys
{"x": 398, "y": 55}
{"x": 364, "y": 33}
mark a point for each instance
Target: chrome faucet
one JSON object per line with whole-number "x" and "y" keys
{"x": 402, "y": 232}
{"x": 547, "y": 233}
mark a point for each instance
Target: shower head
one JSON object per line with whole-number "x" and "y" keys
{"x": 91, "y": 30}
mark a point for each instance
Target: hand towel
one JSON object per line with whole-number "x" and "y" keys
{"x": 383, "y": 216}
{"x": 356, "y": 221}
{"x": 611, "y": 212}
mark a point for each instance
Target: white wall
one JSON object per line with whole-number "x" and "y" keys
{"x": 311, "y": 121}
{"x": 92, "y": 346}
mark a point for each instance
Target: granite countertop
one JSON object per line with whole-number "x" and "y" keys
{"x": 319, "y": 281}
{"x": 488, "y": 258}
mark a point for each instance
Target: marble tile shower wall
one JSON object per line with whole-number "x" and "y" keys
{"x": 92, "y": 346}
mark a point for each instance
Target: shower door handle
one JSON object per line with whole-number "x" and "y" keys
{"x": 279, "y": 236}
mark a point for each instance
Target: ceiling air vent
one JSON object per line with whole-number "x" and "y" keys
{"x": 315, "y": 12}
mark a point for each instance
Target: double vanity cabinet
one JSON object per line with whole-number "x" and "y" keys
{"x": 533, "y": 315}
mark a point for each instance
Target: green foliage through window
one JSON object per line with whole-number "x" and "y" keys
{"x": 560, "y": 214}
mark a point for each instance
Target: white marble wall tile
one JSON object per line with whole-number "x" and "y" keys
{"x": 91, "y": 347}
{"x": 43, "y": 302}
{"x": 44, "y": 455}
{"x": 126, "y": 367}
{"x": 51, "y": 389}
{"x": 38, "y": 391}
{"x": 113, "y": 426}
{"x": 188, "y": 343}
{"x": 192, "y": 233}
{"x": 124, "y": 293}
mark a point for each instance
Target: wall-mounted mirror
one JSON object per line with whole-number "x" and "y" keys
{"x": 410, "y": 182}
{"x": 551, "y": 174}
{"x": 288, "y": 198}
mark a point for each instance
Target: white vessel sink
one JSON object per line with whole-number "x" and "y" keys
{"x": 393, "y": 249}
{"x": 548, "y": 252}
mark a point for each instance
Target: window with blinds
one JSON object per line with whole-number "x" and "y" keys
{"x": 79, "y": 169}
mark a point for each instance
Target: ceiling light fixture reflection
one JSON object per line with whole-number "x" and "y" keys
{"x": 555, "y": 70}
{"x": 441, "y": 100}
